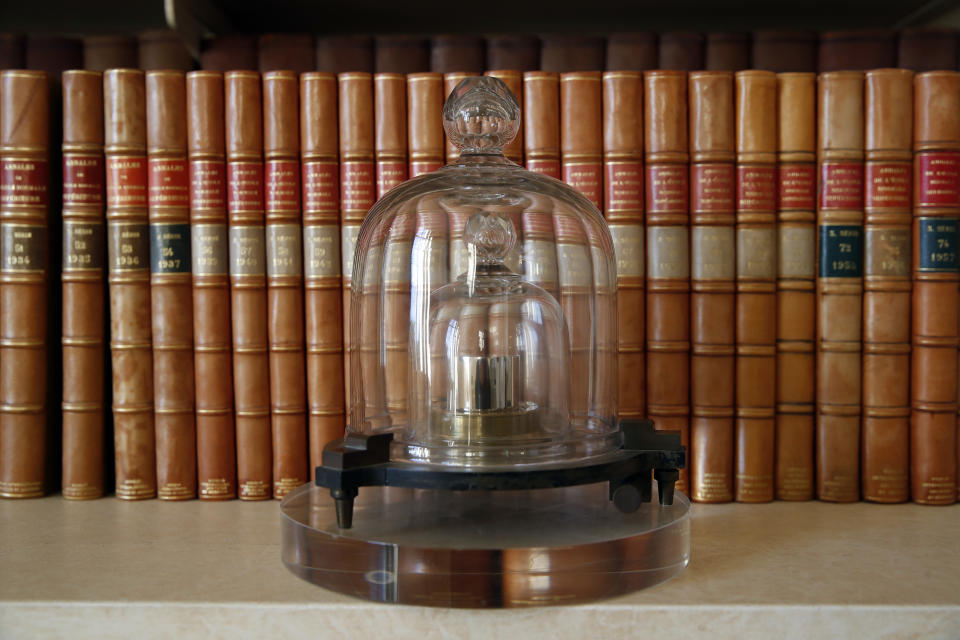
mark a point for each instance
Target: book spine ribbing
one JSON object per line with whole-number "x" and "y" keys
{"x": 514, "y": 81}
{"x": 541, "y": 126}
{"x": 248, "y": 284}
{"x": 581, "y": 133}
{"x": 323, "y": 298}
{"x": 839, "y": 284}
{"x": 885, "y": 443}
{"x": 756, "y": 314}
{"x": 171, "y": 285}
{"x": 285, "y": 328}
{"x": 83, "y": 285}
{"x": 358, "y": 180}
{"x": 24, "y": 201}
{"x": 796, "y": 285}
{"x": 713, "y": 273}
{"x": 390, "y": 137}
{"x": 128, "y": 251}
{"x": 936, "y": 207}
{"x": 623, "y": 210}
{"x": 668, "y": 252}
{"x": 425, "y": 135}
{"x": 212, "y": 346}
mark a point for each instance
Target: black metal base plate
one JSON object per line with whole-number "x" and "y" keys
{"x": 360, "y": 460}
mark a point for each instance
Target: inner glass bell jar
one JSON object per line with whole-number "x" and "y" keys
{"x": 483, "y": 307}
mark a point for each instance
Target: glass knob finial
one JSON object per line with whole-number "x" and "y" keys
{"x": 489, "y": 238}
{"x": 481, "y": 115}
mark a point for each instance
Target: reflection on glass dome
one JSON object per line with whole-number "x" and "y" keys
{"x": 484, "y": 307}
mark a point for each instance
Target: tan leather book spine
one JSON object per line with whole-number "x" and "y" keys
{"x": 24, "y": 202}
{"x": 358, "y": 172}
{"x": 756, "y": 316}
{"x": 390, "y": 137}
{"x": 581, "y": 133}
{"x": 668, "y": 252}
{"x": 727, "y": 51}
{"x": 396, "y": 303}
{"x": 541, "y": 123}
{"x": 514, "y": 81}
{"x": 713, "y": 267}
{"x": 450, "y": 82}
{"x": 857, "y": 50}
{"x": 623, "y": 210}
{"x": 83, "y": 285}
{"x": 285, "y": 327}
{"x": 425, "y": 135}
{"x": 936, "y": 206}
{"x": 785, "y": 51}
{"x": 574, "y": 281}
{"x": 885, "y": 443}
{"x": 323, "y": 298}
{"x": 839, "y": 284}
{"x": 796, "y": 285}
{"x": 572, "y": 52}
{"x": 209, "y": 253}
{"x": 128, "y": 257}
{"x": 171, "y": 285}
{"x": 248, "y": 284}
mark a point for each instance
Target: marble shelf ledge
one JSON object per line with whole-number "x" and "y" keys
{"x": 114, "y": 569}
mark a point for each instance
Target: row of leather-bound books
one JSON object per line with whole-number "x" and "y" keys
{"x": 786, "y": 254}
{"x": 919, "y": 49}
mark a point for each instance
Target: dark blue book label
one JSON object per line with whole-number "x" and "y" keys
{"x": 937, "y": 245}
{"x": 841, "y": 251}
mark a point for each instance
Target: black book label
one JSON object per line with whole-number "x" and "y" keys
{"x": 170, "y": 248}
{"x": 24, "y": 248}
{"x": 937, "y": 245}
{"x": 128, "y": 246}
{"x": 841, "y": 251}
{"x": 82, "y": 246}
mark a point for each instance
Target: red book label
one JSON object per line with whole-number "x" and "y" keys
{"x": 587, "y": 178}
{"x": 623, "y": 187}
{"x": 549, "y": 168}
{"x": 208, "y": 185}
{"x": 321, "y": 186}
{"x": 82, "y": 180}
{"x": 888, "y": 185}
{"x": 23, "y": 182}
{"x": 127, "y": 182}
{"x": 712, "y": 187}
{"x": 757, "y": 189}
{"x": 798, "y": 187}
{"x": 358, "y": 187}
{"x": 169, "y": 183}
{"x": 390, "y": 173}
{"x": 841, "y": 185}
{"x": 667, "y": 188}
{"x": 283, "y": 185}
{"x": 423, "y": 166}
{"x": 937, "y": 179}
{"x": 244, "y": 186}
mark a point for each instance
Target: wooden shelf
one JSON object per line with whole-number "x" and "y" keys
{"x": 109, "y": 568}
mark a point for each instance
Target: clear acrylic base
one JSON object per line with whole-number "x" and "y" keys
{"x": 484, "y": 549}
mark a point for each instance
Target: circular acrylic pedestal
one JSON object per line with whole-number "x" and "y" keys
{"x": 484, "y": 549}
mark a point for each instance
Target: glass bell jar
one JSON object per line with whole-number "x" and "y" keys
{"x": 482, "y": 428}
{"x": 483, "y": 307}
